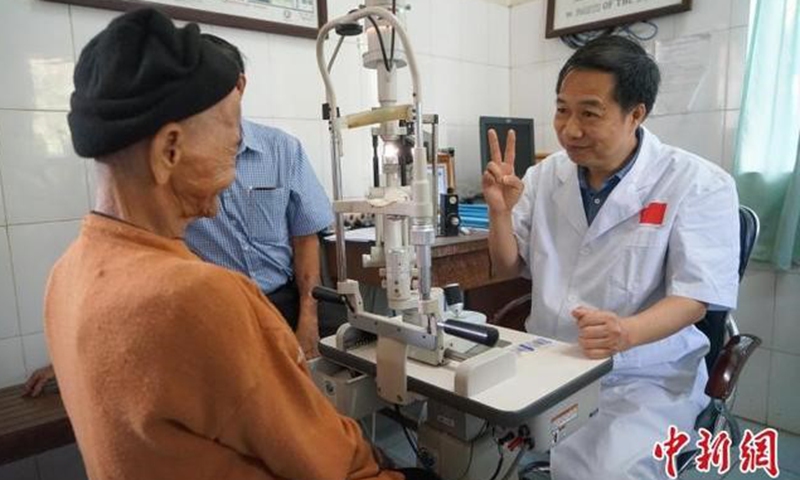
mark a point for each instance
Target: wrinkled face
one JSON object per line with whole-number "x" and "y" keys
{"x": 590, "y": 124}
{"x": 207, "y": 165}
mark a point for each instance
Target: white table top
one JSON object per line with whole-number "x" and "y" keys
{"x": 547, "y": 372}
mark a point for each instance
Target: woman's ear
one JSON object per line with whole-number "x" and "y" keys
{"x": 166, "y": 151}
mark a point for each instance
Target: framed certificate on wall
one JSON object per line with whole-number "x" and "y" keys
{"x": 301, "y": 18}
{"x": 565, "y": 17}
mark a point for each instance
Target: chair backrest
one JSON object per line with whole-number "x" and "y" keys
{"x": 749, "y": 228}
{"x": 713, "y": 324}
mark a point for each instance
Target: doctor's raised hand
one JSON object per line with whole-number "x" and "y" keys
{"x": 502, "y": 190}
{"x": 501, "y": 187}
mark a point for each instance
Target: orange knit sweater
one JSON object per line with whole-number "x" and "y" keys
{"x": 174, "y": 369}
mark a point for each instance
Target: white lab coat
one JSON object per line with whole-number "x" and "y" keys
{"x": 625, "y": 266}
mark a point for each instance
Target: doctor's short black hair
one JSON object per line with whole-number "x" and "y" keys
{"x": 227, "y": 48}
{"x": 635, "y": 72}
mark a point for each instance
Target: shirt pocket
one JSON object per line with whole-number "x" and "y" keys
{"x": 266, "y": 214}
{"x": 639, "y": 270}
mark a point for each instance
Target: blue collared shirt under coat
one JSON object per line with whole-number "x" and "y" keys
{"x": 593, "y": 200}
{"x": 275, "y": 196}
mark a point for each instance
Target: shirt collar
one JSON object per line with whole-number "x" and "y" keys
{"x": 619, "y": 174}
{"x": 248, "y": 142}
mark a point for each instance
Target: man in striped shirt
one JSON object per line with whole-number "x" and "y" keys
{"x": 268, "y": 221}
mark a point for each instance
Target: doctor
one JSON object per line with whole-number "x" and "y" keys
{"x": 627, "y": 241}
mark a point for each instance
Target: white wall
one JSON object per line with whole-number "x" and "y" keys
{"x": 769, "y": 302}
{"x": 471, "y": 66}
{"x": 45, "y": 188}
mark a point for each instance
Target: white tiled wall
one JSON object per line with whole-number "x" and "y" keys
{"x": 484, "y": 59}
{"x": 45, "y": 188}
{"x": 704, "y": 122}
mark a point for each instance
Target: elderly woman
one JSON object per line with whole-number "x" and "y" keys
{"x": 170, "y": 367}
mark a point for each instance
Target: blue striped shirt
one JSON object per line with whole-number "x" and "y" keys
{"x": 275, "y": 197}
{"x": 593, "y": 199}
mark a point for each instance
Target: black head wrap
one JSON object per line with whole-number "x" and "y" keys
{"x": 140, "y": 73}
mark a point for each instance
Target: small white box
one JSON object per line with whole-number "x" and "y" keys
{"x": 354, "y": 394}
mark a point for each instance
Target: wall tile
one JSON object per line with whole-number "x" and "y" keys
{"x": 427, "y": 67}
{"x": 24, "y": 469}
{"x": 548, "y": 92}
{"x": 729, "y": 139}
{"x": 292, "y": 65}
{"x": 337, "y": 8}
{"x": 705, "y": 16}
{"x": 556, "y": 50}
{"x": 38, "y": 62}
{"x": 753, "y": 387}
{"x": 34, "y": 349}
{"x": 527, "y": 33}
{"x": 538, "y": 135}
{"x": 259, "y": 67}
{"x": 756, "y": 310}
{"x": 447, "y": 28}
{"x": 12, "y": 366}
{"x": 474, "y": 31}
{"x": 91, "y": 181}
{"x": 346, "y": 76}
{"x": 2, "y": 202}
{"x": 34, "y": 250}
{"x": 468, "y": 160}
{"x": 527, "y": 85}
{"x": 43, "y": 178}
{"x": 740, "y": 12}
{"x": 448, "y": 87}
{"x": 787, "y": 313}
{"x": 420, "y": 22}
{"x": 788, "y": 448}
{"x": 475, "y": 88}
{"x": 63, "y": 463}
{"x": 497, "y": 92}
{"x": 9, "y": 322}
{"x": 736, "y": 67}
{"x": 784, "y": 388}
{"x": 86, "y": 23}
{"x": 499, "y": 34}
{"x": 699, "y": 133}
{"x": 357, "y": 162}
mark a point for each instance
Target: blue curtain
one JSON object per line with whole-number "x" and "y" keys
{"x": 766, "y": 162}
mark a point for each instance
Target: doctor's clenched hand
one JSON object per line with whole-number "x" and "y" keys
{"x": 601, "y": 333}
{"x": 501, "y": 187}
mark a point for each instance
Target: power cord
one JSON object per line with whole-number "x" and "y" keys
{"x": 472, "y": 448}
{"x": 578, "y": 40}
{"x": 388, "y": 60}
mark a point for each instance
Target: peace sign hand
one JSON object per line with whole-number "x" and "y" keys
{"x": 501, "y": 187}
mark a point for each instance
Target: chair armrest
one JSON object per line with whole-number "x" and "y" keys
{"x": 729, "y": 365}
{"x": 514, "y": 313}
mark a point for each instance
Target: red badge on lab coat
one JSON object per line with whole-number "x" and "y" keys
{"x": 653, "y": 214}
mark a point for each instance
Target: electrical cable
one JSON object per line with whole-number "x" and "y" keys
{"x": 335, "y": 53}
{"x": 578, "y": 40}
{"x": 514, "y": 464}
{"x": 380, "y": 41}
{"x": 499, "y": 463}
{"x": 410, "y": 440}
{"x": 472, "y": 448}
{"x": 388, "y": 60}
